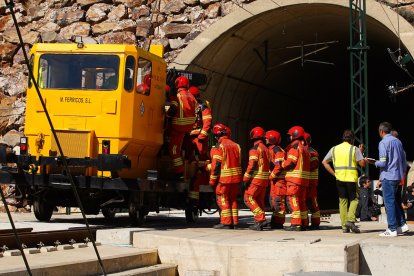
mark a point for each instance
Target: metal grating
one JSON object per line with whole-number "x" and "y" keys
{"x": 74, "y": 144}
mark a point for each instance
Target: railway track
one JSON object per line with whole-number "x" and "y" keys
{"x": 44, "y": 238}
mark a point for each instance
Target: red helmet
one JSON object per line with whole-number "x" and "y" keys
{"x": 273, "y": 137}
{"x": 296, "y": 132}
{"x": 257, "y": 133}
{"x": 220, "y": 130}
{"x": 194, "y": 90}
{"x": 182, "y": 81}
{"x": 228, "y": 131}
{"x": 308, "y": 138}
{"x": 143, "y": 89}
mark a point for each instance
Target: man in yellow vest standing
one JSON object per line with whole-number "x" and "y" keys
{"x": 345, "y": 158}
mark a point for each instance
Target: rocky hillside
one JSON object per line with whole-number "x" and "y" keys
{"x": 171, "y": 22}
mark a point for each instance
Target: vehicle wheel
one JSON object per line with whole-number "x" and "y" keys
{"x": 42, "y": 210}
{"x": 109, "y": 213}
{"x": 136, "y": 215}
{"x": 191, "y": 215}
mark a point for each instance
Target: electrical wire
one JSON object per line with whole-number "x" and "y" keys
{"x": 155, "y": 8}
{"x": 398, "y": 27}
{"x": 389, "y": 19}
{"x": 246, "y": 10}
{"x": 10, "y": 115}
{"x": 229, "y": 76}
{"x": 10, "y": 5}
{"x": 16, "y": 236}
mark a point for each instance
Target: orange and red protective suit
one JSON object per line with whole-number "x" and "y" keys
{"x": 182, "y": 111}
{"x": 297, "y": 166}
{"x": 311, "y": 191}
{"x": 226, "y": 176}
{"x": 257, "y": 174}
{"x": 199, "y": 134}
{"x": 277, "y": 184}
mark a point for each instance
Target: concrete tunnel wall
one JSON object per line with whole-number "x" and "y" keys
{"x": 314, "y": 95}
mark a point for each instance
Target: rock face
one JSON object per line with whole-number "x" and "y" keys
{"x": 174, "y": 23}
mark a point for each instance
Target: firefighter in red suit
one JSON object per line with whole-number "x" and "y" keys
{"x": 196, "y": 144}
{"x": 297, "y": 166}
{"x": 226, "y": 176}
{"x": 277, "y": 180}
{"x": 182, "y": 113}
{"x": 311, "y": 191}
{"x": 256, "y": 178}
{"x": 199, "y": 134}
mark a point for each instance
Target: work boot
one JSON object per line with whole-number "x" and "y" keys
{"x": 223, "y": 226}
{"x": 345, "y": 230}
{"x": 258, "y": 226}
{"x": 179, "y": 177}
{"x": 293, "y": 228}
{"x": 274, "y": 225}
{"x": 313, "y": 227}
{"x": 351, "y": 226}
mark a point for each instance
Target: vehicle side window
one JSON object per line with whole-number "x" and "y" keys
{"x": 129, "y": 73}
{"x": 29, "y": 80}
{"x": 144, "y": 77}
{"x": 42, "y": 74}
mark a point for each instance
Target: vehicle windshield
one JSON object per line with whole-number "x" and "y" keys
{"x": 75, "y": 71}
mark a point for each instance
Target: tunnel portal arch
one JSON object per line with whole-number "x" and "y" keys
{"x": 315, "y": 95}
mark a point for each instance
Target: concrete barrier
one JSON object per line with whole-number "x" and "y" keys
{"x": 244, "y": 252}
{"x": 392, "y": 256}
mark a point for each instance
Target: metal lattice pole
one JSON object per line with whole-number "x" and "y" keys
{"x": 358, "y": 71}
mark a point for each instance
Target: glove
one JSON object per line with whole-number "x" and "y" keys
{"x": 212, "y": 185}
{"x": 246, "y": 184}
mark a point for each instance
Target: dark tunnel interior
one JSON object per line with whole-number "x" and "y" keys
{"x": 315, "y": 94}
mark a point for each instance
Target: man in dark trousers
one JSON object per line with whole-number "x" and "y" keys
{"x": 392, "y": 164}
{"x": 345, "y": 158}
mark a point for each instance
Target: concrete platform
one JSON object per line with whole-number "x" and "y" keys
{"x": 276, "y": 252}
{"x": 199, "y": 250}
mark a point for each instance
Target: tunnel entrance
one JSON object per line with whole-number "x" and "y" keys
{"x": 315, "y": 95}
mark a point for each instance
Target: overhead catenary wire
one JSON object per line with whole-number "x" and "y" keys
{"x": 10, "y": 5}
{"x": 246, "y": 10}
{"x": 265, "y": 44}
{"x": 240, "y": 79}
{"x": 389, "y": 19}
{"x": 155, "y": 8}
{"x": 10, "y": 115}
{"x": 398, "y": 28}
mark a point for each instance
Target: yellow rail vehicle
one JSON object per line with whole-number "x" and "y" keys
{"x": 90, "y": 94}
{"x": 107, "y": 106}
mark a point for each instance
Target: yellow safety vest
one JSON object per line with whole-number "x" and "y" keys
{"x": 343, "y": 157}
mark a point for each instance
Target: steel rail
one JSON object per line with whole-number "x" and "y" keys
{"x": 15, "y": 235}
{"x": 47, "y": 238}
{"x": 18, "y": 230}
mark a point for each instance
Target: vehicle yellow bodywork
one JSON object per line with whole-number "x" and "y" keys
{"x": 132, "y": 122}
